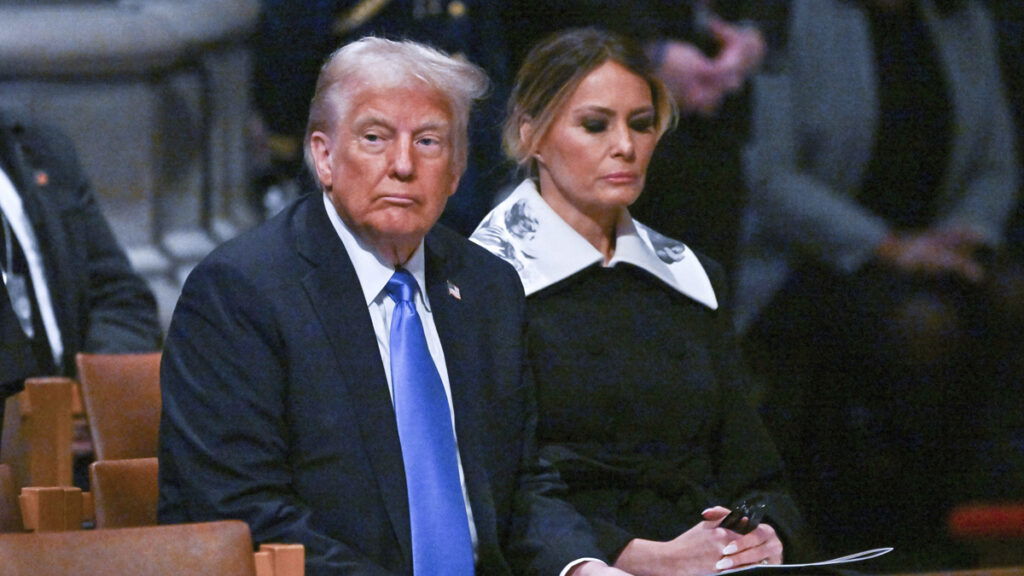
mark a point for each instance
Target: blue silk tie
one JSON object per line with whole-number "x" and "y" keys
{"x": 441, "y": 543}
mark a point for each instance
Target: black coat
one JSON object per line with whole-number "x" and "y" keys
{"x": 644, "y": 408}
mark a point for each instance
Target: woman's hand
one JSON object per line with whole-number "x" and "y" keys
{"x": 703, "y": 549}
{"x": 759, "y": 546}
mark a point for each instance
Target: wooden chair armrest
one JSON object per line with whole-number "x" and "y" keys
{"x": 281, "y": 560}
{"x": 51, "y": 508}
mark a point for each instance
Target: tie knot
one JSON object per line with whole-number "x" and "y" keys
{"x": 402, "y": 286}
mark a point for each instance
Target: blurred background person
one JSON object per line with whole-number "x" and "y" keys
{"x": 68, "y": 281}
{"x": 705, "y": 52}
{"x": 16, "y": 361}
{"x": 882, "y": 173}
{"x": 294, "y": 37}
{"x": 643, "y": 404}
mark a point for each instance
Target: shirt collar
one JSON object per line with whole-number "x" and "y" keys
{"x": 524, "y": 231}
{"x": 372, "y": 271}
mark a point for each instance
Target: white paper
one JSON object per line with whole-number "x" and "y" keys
{"x": 857, "y": 557}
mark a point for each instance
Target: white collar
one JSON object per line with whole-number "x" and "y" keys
{"x": 372, "y": 271}
{"x": 524, "y": 231}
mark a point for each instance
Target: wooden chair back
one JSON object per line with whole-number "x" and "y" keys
{"x": 37, "y": 432}
{"x": 10, "y": 510}
{"x": 121, "y": 395}
{"x": 223, "y": 548}
{"x": 124, "y": 492}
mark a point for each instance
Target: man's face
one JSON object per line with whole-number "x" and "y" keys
{"x": 388, "y": 165}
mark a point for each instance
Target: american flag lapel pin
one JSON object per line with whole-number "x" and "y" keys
{"x": 453, "y": 290}
{"x": 42, "y": 178}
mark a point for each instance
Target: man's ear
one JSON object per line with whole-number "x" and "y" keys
{"x": 454, "y": 186}
{"x": 322, "y": 147}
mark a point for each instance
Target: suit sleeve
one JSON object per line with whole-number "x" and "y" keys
{"x": 16, "y": 361}
{"x": 550, "y": 533}
{"x": 547, "y": 533}
{"x": 122, "y": 309}
{"x": 224, "y": 446}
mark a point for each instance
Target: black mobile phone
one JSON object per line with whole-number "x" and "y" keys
{"x": 743, "y": 518}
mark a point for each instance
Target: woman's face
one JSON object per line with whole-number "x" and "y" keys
{"x": 593, "y": 160}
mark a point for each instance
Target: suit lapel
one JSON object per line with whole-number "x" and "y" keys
{"x": 44, "y": 217}
{"x": 456, "y": 323}
{"x": 334, "y": 290}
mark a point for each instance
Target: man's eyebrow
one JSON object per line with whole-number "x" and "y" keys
{"x": 371, "y": 120}
{"x": 441, "y": 125}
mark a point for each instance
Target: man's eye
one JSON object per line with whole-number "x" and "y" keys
{"x": 372, "y": 138}
{"x": 595, "y": 126}
{"x": 429, "y": 141}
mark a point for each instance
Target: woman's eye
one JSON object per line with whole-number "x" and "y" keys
{"x": 645, "y": 124}
{"x": 595, "y": 126}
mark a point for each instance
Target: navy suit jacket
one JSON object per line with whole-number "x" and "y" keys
{"x": 16, "y": 361}
{"x": 276, "y": 408}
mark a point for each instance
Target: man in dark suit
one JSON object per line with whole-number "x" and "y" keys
{"x": 70, "y": 283}
{"x": 281, "y": 392}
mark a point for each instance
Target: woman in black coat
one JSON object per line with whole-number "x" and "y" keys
{"x": 642, "y": 402}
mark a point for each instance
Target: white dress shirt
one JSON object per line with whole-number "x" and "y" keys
{"x": 373, "y": 274}
{"x": 12, "y": 207}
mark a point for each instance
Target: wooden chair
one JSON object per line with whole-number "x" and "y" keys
{"x": 125, "y": 493}
{"x": 121, "y": 395}
{"x": 10, "y": 510}
{"x": 222, "y": 548}
{"x": 38, "y": 431}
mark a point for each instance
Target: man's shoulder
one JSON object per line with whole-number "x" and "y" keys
{"x": 261, "y": 249}
{"x": 44, "y": 146}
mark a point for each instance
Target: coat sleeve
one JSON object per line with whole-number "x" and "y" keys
{"x": 991, "y": 179}
{"x": 224, "y": 446}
